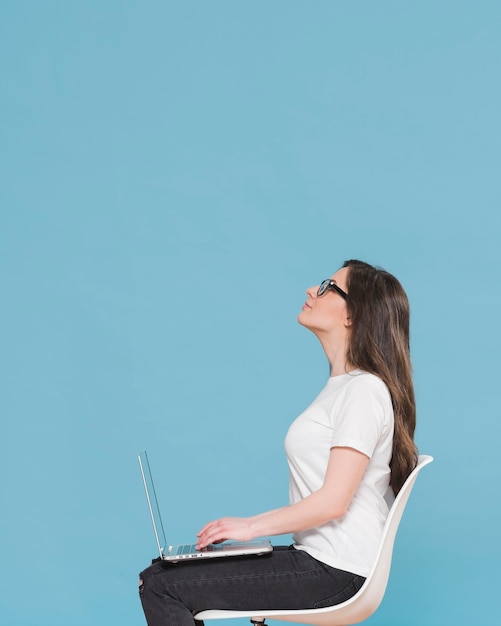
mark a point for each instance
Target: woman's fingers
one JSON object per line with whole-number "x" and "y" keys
{"x": 222, "y": 529}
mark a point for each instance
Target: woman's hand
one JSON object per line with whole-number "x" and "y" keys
{"x": 237, "y": 528}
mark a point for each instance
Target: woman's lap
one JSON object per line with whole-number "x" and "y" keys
{"x": 284, "y": 579}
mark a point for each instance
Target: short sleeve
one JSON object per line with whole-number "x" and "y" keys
{"x": 363, "y": 416}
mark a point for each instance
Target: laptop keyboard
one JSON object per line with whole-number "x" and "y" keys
{"x": 192, "y": 547}
{"x": 186, "y": 549}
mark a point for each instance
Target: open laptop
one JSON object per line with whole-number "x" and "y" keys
{"x": 189, "y": 551}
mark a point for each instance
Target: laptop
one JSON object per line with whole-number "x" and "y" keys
{"x": 186, "y": 552}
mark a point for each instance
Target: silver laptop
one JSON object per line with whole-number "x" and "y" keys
{"x": 189, "y": 551}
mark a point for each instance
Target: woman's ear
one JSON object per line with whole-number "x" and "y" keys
{"x": 347, "y": 321}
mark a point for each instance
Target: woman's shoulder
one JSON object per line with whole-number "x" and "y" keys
{"x": 360, "y": 380}
{"x": 363, "y": 399}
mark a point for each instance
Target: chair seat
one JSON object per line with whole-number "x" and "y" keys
{"x": 341, "y": 615}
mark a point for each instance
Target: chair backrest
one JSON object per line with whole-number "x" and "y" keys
{"x": 374, "y": 588}
{"x": 363, "y": 604}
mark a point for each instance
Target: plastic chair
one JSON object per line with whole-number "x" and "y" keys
{"x": 360, "y": 606}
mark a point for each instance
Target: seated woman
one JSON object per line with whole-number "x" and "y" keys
{"x": 344, "y": 451}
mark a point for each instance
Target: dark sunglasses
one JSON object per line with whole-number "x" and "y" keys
{"x": 325, "y": 285}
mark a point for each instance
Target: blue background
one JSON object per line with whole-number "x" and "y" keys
{"x": 173, "y": 176}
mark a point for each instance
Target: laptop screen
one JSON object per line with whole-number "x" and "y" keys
{"x": 152, "y": 502}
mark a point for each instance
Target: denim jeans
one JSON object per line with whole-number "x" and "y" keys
{"x": 171, "y": 593}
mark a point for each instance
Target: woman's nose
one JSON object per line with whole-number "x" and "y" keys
{"x": 312, "y": 291}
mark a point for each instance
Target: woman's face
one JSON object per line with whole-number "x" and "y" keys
{"x": 326, "y": 313}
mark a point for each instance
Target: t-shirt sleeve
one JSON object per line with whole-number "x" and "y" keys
{"x": 362, "y": 417}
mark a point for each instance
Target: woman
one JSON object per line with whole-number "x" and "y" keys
{"x": 344, "y": 451}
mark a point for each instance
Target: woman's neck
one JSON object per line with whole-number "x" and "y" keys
{"x": 336, "y": 355}
{"x": 344, "y": 368}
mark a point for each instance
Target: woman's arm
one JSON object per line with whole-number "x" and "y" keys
{"x": 344, "y": 472}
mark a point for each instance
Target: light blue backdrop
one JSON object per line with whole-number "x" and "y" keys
{"x": 173, "y": 176}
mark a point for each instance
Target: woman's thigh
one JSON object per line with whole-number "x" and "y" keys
{"x": 284, "y": 579}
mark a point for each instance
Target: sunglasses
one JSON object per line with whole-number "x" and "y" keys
{"x": 329, "y": 284}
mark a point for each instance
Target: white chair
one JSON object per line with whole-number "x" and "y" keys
{"x": 366, "y": 600}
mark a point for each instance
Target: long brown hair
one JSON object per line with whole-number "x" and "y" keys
{"x": 379, "y": 344}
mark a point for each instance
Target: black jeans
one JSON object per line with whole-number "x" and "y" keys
{"x": 283, "y": 579}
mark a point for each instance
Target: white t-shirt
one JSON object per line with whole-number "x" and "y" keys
{"x": 353, "y": 410}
